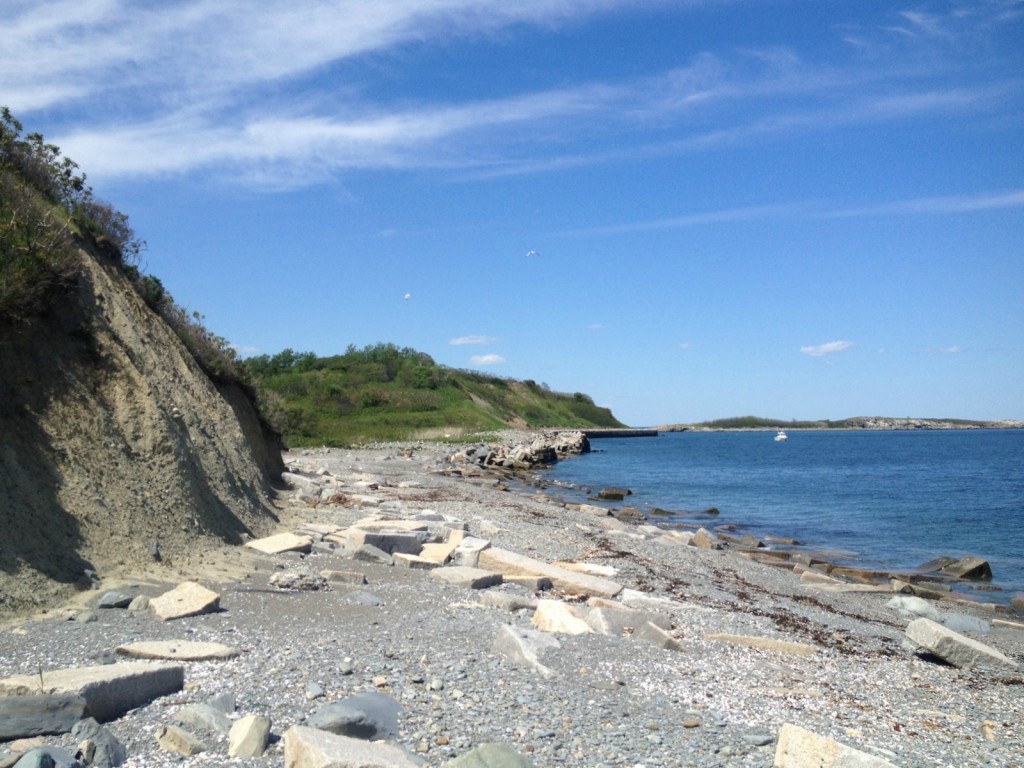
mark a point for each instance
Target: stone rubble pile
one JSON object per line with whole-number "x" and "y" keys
{"x": 543, "y": 451}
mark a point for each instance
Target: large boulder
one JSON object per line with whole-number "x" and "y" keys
{"x": 954, "y": 648}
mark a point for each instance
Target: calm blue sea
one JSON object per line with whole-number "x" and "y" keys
{"x": 893, "y": 499}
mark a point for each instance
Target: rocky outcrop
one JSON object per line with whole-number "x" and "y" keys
{"x": 116, "y": 446}
{"x": 544, "y": 450}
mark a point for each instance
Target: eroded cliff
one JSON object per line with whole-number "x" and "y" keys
{"x": 113, "y": 440}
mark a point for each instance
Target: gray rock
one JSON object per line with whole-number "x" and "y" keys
{"x": 86, "y": 617}
{"x": 313, "y": 691}
{"x": 961, "y": 622}
{"x": 114, "y": 600}
{"x": 25, "y": 716}
{"x": 48, "y": 757}
{"x": 490, "y": 756}
{"x": 524, "y": 647}
{"x": 109, "y": 751}
{"x": 372, "y": 554}
{"x": 975, "y": 568}
{"x": 370, "y": 716}
{"x": 109, "y": 690}
{"x": 364, "y": 598}
{"x": 758, "y": 738}
{"x": 954, "y": 648}
{"x": 202, "y": 717}
{"x": 225, "y": 702}
{"x": 298, "y": 581}
{"x": 507, "y": 601}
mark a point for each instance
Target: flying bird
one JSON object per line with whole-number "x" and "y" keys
{"x": 532, "y": 253}
{"x": 408, "y": 296}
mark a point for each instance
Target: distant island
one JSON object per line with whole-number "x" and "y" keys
{"x": 856, "y": 422}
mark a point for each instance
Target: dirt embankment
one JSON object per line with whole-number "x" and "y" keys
{"x": 112, "y": 440}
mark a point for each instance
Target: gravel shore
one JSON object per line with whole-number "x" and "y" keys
{"x": 611, "y": 700}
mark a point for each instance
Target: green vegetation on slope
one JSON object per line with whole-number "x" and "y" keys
{"x": 383, "y": 392}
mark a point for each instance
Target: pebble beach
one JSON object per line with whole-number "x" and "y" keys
{"x": 702, "y": 657}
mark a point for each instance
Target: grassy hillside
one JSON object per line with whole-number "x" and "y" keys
{"x": 383, "y": 392}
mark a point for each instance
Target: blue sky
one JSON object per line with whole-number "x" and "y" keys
{"x": 688, "y": 210}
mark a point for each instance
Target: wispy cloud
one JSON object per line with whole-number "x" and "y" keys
{"x": 469, "y": 340}
{"x": 491, "y": 359}
{"x": 271, "y": 98}
{"x": 953, "y": 350}
{"x": 940, "y": 205}
{"x": 595, "y": 327}
{"x": 828, "y": 348}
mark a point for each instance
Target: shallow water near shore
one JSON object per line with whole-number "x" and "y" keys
{"x": 892, "y": 499}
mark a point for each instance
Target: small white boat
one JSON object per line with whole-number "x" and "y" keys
{"x": 780, "y": 437}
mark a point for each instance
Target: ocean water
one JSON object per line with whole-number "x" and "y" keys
{"x": 890, "y": 499}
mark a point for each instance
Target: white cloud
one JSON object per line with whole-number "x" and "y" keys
{"x": 465, "y": 340}
{"x": 595, "y": 327}
{"x": 487, "y": 359}
{"x": 268, "y": 99}
{"x": 826, "y": 349}
{"x": 685, "y": 345}
{"x": 953, "y": 350}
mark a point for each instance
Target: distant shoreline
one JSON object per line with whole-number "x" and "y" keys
{"x": 844, "y": 425}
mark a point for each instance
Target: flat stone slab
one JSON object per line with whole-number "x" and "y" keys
{"x": 109, "y": 690}
{"x": 186, "y": 599}
{"x": 306, "y": 747}
{"x": 524, "y": 647}
{"x": 511, "y": 564}
{"x": 25, "y": 716}
{"x": 465, "y": 576}
{"x": 176, "y": 650}
{"x": 281, "y": 542}
{"x": 799, "y": 748}
{"x": 766, "y": 643}
{"x": 954, "y": 648}
{"x": 593, "y": 569}
{"x": 404, "y": 560}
